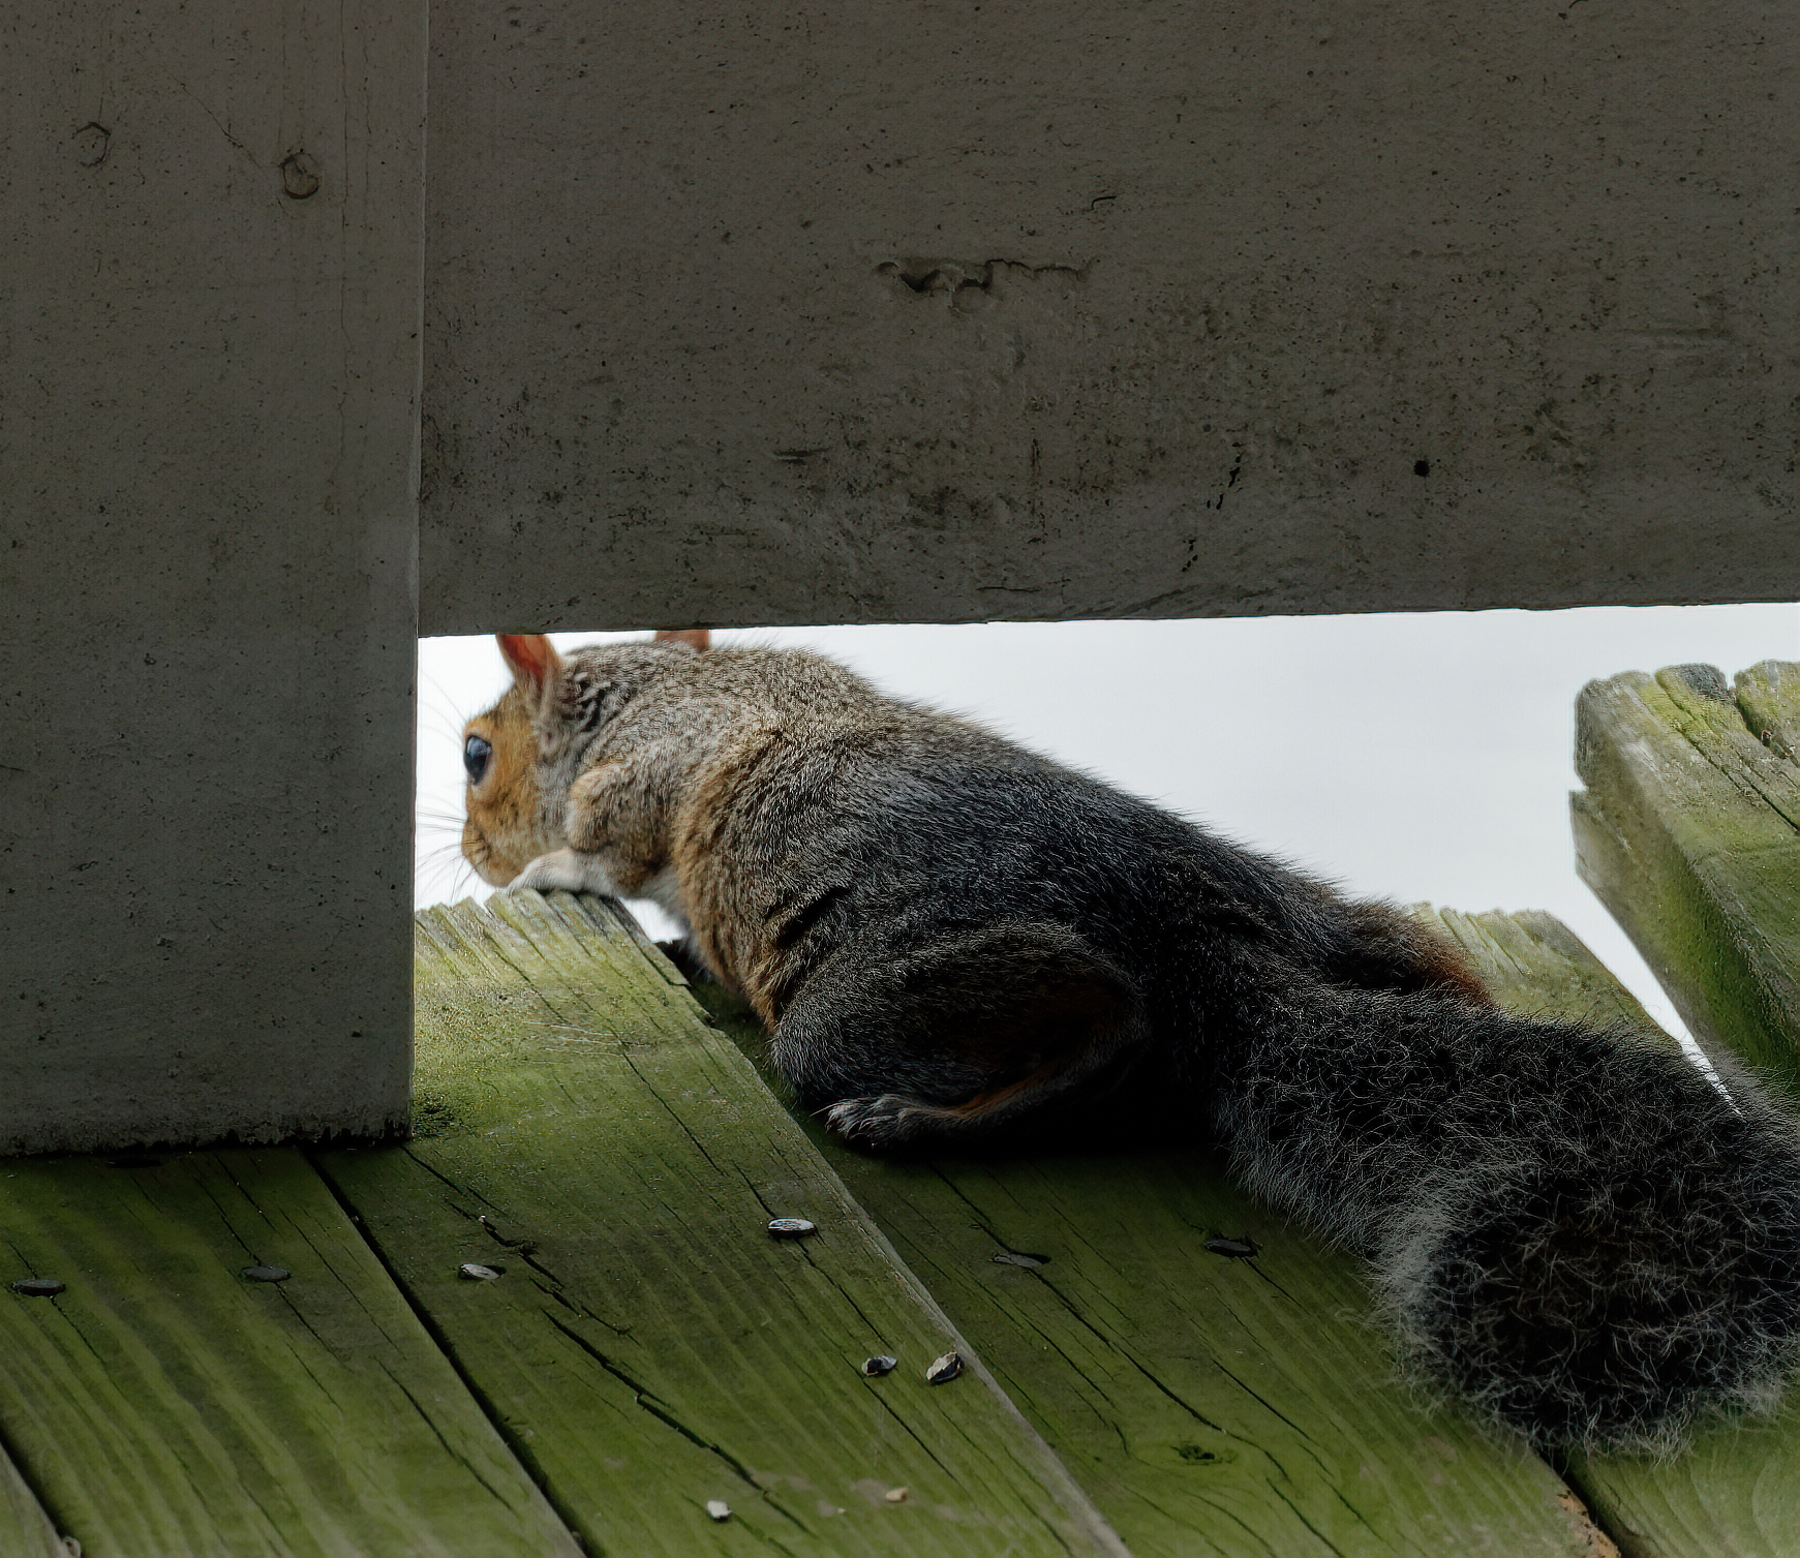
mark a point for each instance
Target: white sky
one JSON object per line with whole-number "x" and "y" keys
{"x": 1406, "y": 756}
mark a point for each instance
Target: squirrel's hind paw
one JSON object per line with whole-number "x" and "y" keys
{"x": 887, "y": 1120}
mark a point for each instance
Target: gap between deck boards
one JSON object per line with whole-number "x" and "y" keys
{"x": 583, "y": 1123}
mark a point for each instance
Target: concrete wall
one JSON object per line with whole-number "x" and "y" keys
{"x": 1037, "y": 308}
{"x": 779, "y": 313}
{"x": 209, "y": 291}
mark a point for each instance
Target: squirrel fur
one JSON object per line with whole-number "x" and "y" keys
{"x": 949, "y": 937}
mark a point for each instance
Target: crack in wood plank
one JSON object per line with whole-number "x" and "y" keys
{"x": 641, "y": 1164}
{"x": 1135, "y": 1341}
{"x": 171, "y": 1408}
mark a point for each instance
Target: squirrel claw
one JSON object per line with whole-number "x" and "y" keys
{"x": 883, "y": 1121}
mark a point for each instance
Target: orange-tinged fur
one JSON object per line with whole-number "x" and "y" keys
{"x": 502, "y": 829}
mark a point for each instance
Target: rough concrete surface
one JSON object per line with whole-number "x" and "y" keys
{"x": 925, "y": 311}
{"x": 779, "y": 314}
{"x": 209, "y": 287}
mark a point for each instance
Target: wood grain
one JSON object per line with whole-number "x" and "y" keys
{"x": 165, "y": 1407}
{"x": 1736, "y": 1494}
{"x": 25, "y": 1525}
{"x": 1210, "y": 1405}
{"x": 1768, "y": 694}
{"x": 649, "y": 1347}
{"x": 1689, "y": 830}
{"x": 1534, "y": 965}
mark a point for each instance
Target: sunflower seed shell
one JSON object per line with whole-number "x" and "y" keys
{"x": 944, "y": 1369}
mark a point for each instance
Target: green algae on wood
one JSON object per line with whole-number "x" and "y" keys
{"x": 1210, "y": 1404}
{"x": 648, "y": 1348}
{"x": 165, "y": 1407}
{"x": 1736, "y": 1493}
{"x": 1689, "y": 831}
{"x": 1534, "y": 965}
{"x": 1768, "y": 695}
{"x": 26, "y": 1528}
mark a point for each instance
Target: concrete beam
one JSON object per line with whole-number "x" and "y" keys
{"x": 1035, "y": 309}
{"x": 209, "y": 282}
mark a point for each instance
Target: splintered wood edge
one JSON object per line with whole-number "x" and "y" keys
{"x": 1768, "y": 693}
{"x": 1535, "y": 966}
{"x": 1689, "y": 832}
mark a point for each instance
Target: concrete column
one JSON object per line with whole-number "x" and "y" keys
{"x": 1037, "y": 308}
{"x": 210, "y": 291}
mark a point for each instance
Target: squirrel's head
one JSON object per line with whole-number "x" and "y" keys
{"x": 521, "y": 756}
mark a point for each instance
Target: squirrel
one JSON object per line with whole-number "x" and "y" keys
{"x": 949, "y": 937}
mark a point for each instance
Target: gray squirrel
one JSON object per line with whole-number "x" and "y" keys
{"x": 950, "y": 938}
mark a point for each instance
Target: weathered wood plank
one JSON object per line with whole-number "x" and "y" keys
{"x": 1211, "y": 1405}
{"x": 1769, "y": 696}
{"x": 648, "y": 1346}
{"x": 1534, "y": 964}
{"x": 1737, "y": 1492}
{"x": 25, "y": 1525}
{"x": 1689, "y": 830}
{"x": 168, "y": 1408}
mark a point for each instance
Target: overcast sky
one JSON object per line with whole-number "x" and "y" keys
{"x": 1405, "y": 756}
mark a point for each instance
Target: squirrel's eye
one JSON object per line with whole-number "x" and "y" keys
{"x": 476, "y": 753}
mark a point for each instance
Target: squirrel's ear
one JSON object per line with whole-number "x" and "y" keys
{"x": 694, "y": 638}
{"x": 533, "y": 658}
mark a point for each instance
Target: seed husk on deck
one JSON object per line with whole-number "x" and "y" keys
{"x": 1236, "y": 1249}
{"x": 39, "y": 1287}
{"x": 944, "y": 1369}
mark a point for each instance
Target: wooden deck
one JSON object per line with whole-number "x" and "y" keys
{"x": 1689, "y": 830}
{"x": 592, "y": 1134}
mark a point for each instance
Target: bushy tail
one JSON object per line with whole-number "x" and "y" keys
{"x": 1575, "y": 1230}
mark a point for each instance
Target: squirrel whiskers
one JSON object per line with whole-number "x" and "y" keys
{"x": 949, "y": 937}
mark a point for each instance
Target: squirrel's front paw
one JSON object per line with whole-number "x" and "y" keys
{"x": 567, "y": 870}
{"x": 884, "y": 1121}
